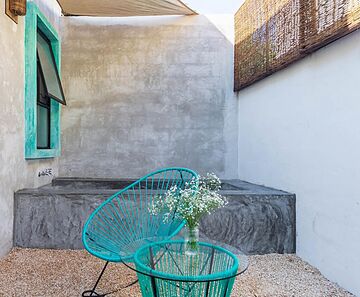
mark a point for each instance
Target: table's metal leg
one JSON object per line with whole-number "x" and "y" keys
{"x": 153, "y": 282}
{"x": 226, "y": 288}
{"x": 210, "y": 270}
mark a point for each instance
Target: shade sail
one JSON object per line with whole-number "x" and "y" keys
{"x": 123, "y": 8}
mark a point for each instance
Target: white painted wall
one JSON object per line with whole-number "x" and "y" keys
{"x": 299, "y": 130}
{"x": 15, "y": 171}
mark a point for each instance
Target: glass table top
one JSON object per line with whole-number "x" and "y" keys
{"x": 167, "y": 260}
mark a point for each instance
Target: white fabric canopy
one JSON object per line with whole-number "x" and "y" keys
{"x": 122, "y": 8}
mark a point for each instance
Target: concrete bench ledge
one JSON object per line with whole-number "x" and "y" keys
{"x": 257, "y": 219}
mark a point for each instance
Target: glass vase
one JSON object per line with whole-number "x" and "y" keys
{"x": 192, "y": 241}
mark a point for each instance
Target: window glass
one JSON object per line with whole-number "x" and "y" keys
{"x": 43, "y": 127}
{"x": 43, "y": 112}
{"x": 42, "y": 95}
{"x": 51, "y": 75}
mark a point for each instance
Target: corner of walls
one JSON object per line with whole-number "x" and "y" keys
{"x": 225, "y": 24}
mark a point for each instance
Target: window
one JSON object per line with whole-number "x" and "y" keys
{"x": 43, "y": 90}
{"x": 48, "y": 87}
{"x": 43, "y": 112}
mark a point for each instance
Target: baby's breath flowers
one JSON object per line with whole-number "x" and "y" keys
{"x": 199, "y": 197}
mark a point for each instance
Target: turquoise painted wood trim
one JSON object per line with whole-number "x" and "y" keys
{"x": 34, "y": 20}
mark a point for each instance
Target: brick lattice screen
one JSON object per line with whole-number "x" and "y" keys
{"x": 271, "y": 34}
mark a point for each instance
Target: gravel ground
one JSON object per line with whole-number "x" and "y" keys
{"x": 46, "y": 273}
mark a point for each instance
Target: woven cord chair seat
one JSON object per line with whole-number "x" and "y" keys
{"x": 122, "y": 224}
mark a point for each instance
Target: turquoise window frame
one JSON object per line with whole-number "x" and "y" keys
{"x": 35, "y": 20}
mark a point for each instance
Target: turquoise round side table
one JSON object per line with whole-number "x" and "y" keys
{"x": 165, "y": 270}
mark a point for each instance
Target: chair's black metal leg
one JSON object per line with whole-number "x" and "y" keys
{"x": 92, "y": 292}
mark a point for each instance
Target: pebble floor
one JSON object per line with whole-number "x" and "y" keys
{"x": 47, "y": 273}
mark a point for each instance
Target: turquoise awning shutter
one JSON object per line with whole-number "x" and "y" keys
{"x": 49, "y": 69}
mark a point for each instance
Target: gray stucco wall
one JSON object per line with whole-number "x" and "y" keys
{"x": 145, "y": 93}
{"x": 15, "y": 171}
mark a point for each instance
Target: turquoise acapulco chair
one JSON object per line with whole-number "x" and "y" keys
{"x": 122, "y": 224}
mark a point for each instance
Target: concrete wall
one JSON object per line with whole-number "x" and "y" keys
{"x": 299, "y": 130}
{"x": 145, "y": 93}
{"x": 15, "y": 171}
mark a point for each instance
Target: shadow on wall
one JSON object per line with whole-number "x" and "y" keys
{"x": 145, "y": 93}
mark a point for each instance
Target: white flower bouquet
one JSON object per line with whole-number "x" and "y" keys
{"x": 198, "y": 197}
